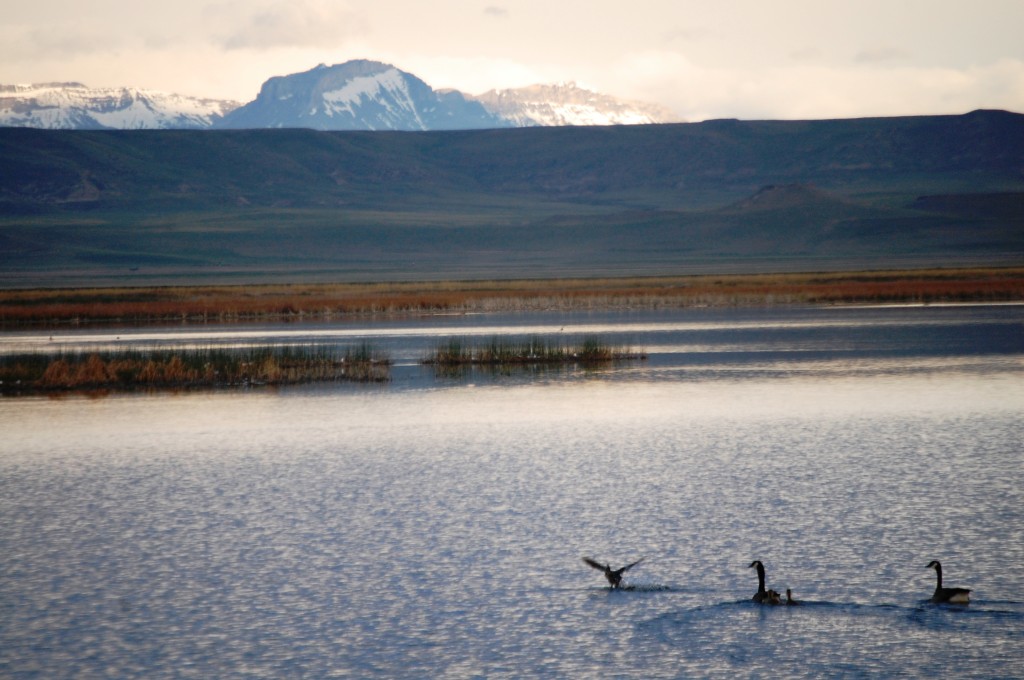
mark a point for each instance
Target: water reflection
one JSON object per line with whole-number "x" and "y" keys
{"x": 688, "y": 344}
{"x": 434, "y": 525}
{"x": 788, "y": 329}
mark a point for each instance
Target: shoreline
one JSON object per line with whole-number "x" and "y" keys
{"x": 162, "y": 305}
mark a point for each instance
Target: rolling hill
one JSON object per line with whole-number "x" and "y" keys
{"x": 245, "y": 205}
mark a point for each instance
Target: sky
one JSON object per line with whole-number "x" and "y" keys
{"x": 701, "y": 59}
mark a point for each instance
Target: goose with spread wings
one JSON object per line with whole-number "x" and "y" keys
{"x": 614, "y": 576}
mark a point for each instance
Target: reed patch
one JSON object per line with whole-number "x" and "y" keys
{"x": 128, "y": 369}
{"x": 498, "y": 350}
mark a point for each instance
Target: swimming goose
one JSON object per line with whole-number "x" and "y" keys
{"x": 762, "y": 596}
{"x": 614, "y": 576}
{"x": 951, "y": 595}
{"x": 789, "y": 597}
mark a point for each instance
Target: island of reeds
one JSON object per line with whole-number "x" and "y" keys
{"x": 501, "y": 351}
{"x": 133, "y": 369}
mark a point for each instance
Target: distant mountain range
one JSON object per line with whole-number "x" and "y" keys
{"x": 73, "y": 106}
{"x": 356, "y": 95}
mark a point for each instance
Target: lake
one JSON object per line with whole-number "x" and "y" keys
{"x": 434, "y": 525}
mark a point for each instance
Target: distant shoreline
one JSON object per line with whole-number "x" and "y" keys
{"x": 159, "y": 305}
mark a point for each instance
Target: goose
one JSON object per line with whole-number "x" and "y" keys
{"x": 951, "y": 595}
{"x": 762, "y": 596}
{"x": 614, "y": 576}
{"x": 789, "y": 598}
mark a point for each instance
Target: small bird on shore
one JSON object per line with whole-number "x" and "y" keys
{"x": 950, "y": 595}
{"x": 614, "y": 576}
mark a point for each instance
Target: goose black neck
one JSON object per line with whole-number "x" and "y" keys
{"x": 760, "y": 577}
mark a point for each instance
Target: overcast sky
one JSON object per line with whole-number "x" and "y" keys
{"x": 700, "y": 58}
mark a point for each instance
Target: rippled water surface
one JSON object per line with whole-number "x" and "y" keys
{"x": 433, "y": 526}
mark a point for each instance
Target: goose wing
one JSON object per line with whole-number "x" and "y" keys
{"x": 958, "y": 595}
{"x": 630, "y": 566}
{"x": 595, "y": 564}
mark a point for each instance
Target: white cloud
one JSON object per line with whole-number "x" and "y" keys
{"x": 471, "y": 75}
{"x": 66, "y": 43}
{"x": 27, "y": 44}
{"x": 808, "y": 53}
{"x": 882, "y": 53}
{"x": 814, "y": 91}
{"x": 286, "y": 23}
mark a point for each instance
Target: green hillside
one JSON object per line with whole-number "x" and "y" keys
{"x": 127, "y": 207}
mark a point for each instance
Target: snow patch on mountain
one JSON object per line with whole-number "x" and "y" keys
{"x": 387, "y": 88}
{"x": 75, "y": 106}
{"x": 367, "y": 87}
{"x": 569, "y": 104}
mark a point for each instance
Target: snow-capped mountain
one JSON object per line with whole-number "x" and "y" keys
{"x": 355, "y": 95}
{"x": 568, "y": 104}
{"x": 75, "y": 106}
{"x": 359, "y": 95}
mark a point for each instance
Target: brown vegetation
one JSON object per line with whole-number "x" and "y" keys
{"x": 327, "y": 301}
{"x": 533, "y": 350}
{"x": 189, "y": 368}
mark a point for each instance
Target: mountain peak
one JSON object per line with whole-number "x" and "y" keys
{"x": 569, "y": 104}
{"x": 358, "y": 95}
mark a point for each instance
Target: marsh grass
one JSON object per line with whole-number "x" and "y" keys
{"x": 192, "y": 367}
{"x": 531, "y": 350}
{"x": 201, "y": 304}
